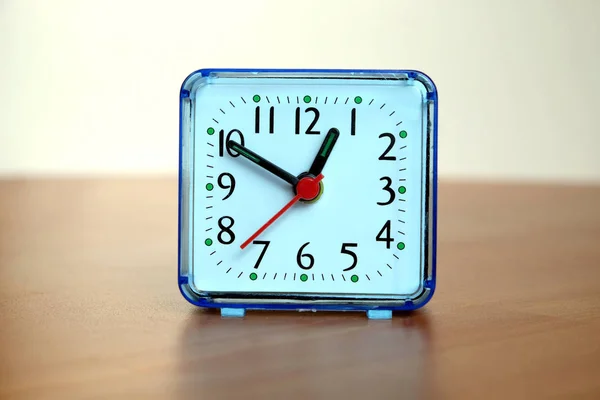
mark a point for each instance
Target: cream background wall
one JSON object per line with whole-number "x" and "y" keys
{"x": 91, "y": 87}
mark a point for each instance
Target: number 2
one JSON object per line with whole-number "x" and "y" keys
{"x": 384, "y": 156}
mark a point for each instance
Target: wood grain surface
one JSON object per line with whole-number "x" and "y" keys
{"x": 89, "y": 306}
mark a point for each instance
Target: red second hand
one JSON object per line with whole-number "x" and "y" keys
{"x": 307, "y": 188}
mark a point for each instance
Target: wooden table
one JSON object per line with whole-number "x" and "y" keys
{"x": 89, "y": 306}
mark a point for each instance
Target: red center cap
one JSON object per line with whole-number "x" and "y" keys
{"x": 308, "y": 188}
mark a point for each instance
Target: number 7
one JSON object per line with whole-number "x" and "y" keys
{"x": 265, "y": 243}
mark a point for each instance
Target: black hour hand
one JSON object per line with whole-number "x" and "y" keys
{"x": 262, "y": 162}
{"x": 319, "y": 163}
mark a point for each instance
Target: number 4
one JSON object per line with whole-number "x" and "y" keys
{"x": 386, "y": 230}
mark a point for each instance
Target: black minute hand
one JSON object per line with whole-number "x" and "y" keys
{"x": 262, "y": 162}
{"x": 324, "y": 152}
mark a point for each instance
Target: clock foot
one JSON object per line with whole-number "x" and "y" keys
{"x": 379, "y": 314}
{"x": 233, "y": 312}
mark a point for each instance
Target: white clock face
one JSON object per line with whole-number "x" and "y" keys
{"x": 365, "y": 232}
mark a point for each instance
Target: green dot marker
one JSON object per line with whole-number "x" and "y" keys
{"x": 208, "y": 242}
{"x": 210, "y": 131}
{"x": 358, "y": 99}
{"x": 253, "y": 276}
{"x": 400, "y": 246}
{"x": 306, "y": 99}
{"x": 403, "y": 134}
{"x": 256, "y": 98}
{"x": 402, "y": 189}
{"x": 303, "y": 277}
{"x": 354, "y": 278}
{"x": 209, "y": 186}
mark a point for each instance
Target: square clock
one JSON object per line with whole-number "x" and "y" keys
{"x": 308, "y": 190}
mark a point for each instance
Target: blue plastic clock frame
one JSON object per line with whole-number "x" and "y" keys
{"x": 373, "y": 312}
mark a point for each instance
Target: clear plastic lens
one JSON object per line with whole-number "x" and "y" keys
{"x": 367, "y": 240}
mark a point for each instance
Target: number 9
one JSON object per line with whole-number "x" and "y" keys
{"x": 230, "y": 186}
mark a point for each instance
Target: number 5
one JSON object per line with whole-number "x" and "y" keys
{"x": 350, "y": 253}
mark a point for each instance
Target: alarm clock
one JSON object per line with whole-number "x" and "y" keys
{"x": 307, "y": 190}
